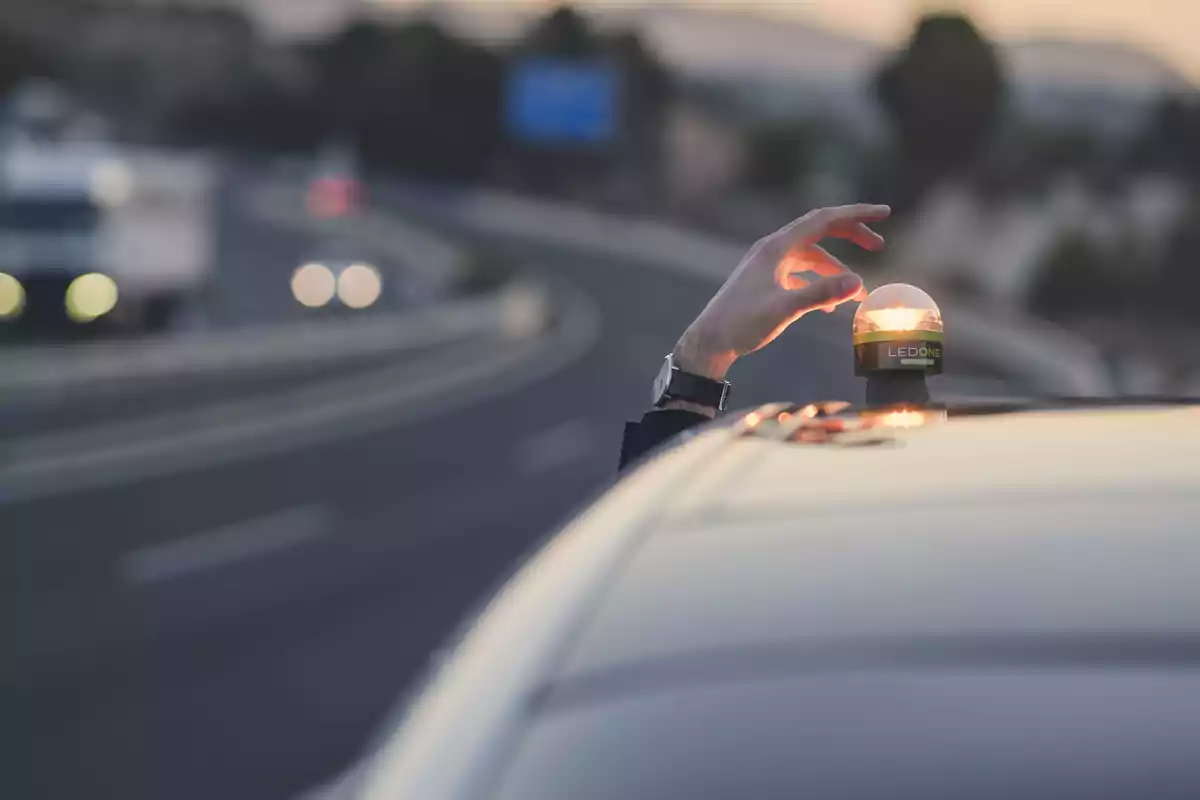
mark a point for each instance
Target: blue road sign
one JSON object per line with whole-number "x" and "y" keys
{"x": 561, "y": 102}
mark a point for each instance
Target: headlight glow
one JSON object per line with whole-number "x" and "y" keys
{"x": 359, "y": 285}
{"x": 313, "y": 285}
{"x": 90, "y": 296}
{"x": 111, "y": 184}
{"x": 12, "y": 297}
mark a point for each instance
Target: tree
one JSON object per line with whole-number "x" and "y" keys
{"x": 1179, "y": 278}
{"x": 563, "y": 33}
{"x": 412, "y": 98}
{"x": 1077, "y": 276}
{"x": 778, "y": 155}
{"x": 1168, "y": 141}
{"x": 943, "y": 95}
{"x": 21, "y": 60}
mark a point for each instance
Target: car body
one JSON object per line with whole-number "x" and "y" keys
{"x": 824, "y": 602}
{"x": 91, "y": 234}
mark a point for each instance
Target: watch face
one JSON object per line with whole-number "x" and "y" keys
{"x": 662, "y": 381}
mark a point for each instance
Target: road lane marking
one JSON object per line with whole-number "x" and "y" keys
{"x": 239, "y": 541}
{"x": 555, "y": 447}
{"x": 122, "y": 453}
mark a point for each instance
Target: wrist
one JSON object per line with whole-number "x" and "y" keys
{"x": 696, "y": 352}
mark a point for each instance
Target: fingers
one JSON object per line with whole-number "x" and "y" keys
{"x": 862, "y": 212}
{"x": 813, "y": 258}
{"x": 825, "y": 293}
{"x": 858, "y": 233}
{"x": 847, "y": 222}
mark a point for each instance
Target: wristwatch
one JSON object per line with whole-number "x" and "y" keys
{"x": 673, "y": 383}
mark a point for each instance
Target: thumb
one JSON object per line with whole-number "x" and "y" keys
{"x": 825, "y": 293}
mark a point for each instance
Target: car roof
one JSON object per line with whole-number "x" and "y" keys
{"x": 830, "y": 535}
{"x": 1029, "y": 524}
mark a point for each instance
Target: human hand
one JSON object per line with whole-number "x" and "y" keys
{"x": 765, "y": 295}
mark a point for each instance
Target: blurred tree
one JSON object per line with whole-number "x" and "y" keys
{"x": 1077, "y": 276}
{"x": 1179, "y": 283}
{"x": 647, "y": 92}
{"x": 21, "y": 59}
{"x": 564, "y": 33}
{"x": 255, "y": 114}
{"x": 411, "y": 97}
{"x": 1170, "y": 139}
{"x": 778, "y": 155}
{"x": 1028, "y": 158}
{"x": 943, "y": 95}
{"x": 343, "y": 64}
{"x": 433, "y": 105}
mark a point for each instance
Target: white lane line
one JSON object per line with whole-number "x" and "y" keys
{"x": 292, "y": 421}
{"x": 520, "y": 317}
{"x": 249, "y": 538}
{"x": 556, "y": 447}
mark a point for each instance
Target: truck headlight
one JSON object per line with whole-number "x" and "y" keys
{"x": 12, "y": 297}
{"x": 111, "y": 184}
{"x": 91, "y": 296}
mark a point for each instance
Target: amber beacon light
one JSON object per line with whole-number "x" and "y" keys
{"x": 897, "y": 342}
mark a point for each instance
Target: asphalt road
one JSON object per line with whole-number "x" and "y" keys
{"x": 238, "y": 629}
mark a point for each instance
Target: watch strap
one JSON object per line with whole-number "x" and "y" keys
{"x": 689, "y": 388}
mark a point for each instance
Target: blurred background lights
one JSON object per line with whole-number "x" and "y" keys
{"x": 313, "y": 285}
{"x": 12, "y": 296}
{"x": 91, "y": 296}
{"x": 359, "y": 285}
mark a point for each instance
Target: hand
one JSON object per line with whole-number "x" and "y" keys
{"x": 765, "y": 295}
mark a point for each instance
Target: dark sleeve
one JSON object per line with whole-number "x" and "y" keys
{"x": 656, "y": 428}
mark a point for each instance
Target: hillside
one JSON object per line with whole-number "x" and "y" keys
{"x": 712, "y": 43}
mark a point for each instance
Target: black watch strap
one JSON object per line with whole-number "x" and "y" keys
{"x": 673, "y": 383}
{"x": 697, "y": 389}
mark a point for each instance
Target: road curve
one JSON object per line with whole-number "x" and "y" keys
{"x": 237, "y": 629}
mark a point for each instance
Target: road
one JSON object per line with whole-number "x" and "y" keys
{"x": 237, "y": 628}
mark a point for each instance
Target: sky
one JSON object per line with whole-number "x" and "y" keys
{"x": 1169, "y": 28}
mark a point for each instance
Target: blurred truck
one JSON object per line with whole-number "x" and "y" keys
{"x": 94, "y": 235}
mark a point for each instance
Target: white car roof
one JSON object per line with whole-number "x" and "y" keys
{"x": 758, "y": 536}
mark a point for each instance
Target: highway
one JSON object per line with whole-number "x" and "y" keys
{"x": 236, "y": 627}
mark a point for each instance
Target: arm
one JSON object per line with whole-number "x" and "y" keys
{"x": 763, "y": 296}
